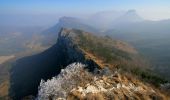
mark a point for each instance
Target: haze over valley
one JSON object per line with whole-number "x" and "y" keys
{"x": 102, "y": 50}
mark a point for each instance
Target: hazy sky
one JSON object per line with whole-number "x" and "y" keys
{"x": 156, "y": 9}
{"x": 149, "y": 9}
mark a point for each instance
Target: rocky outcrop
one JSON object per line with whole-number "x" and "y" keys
{"x": 76, "y": 83}
{"x": 116, "y": 87}
{"x": 58, "y": 86}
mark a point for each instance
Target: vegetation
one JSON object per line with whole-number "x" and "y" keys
{"x": 156, "y": 47}
{"x": 149, "y": 76}
{"x": 102, "y": 47}
{"x": 4, "y": 79}
{"x": 145, "y": 75}
{"x": 158, "y": 52}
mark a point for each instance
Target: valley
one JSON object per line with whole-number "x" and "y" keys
{"x": 15, "y": 45}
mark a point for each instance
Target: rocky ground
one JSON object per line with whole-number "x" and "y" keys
{"x": 117, "y": 87}
{"x": 75, "y": 83}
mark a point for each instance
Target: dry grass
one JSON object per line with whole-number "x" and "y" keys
{"x": 89, "y": 96}
{"x": 4, "y": 88}
{"x": 94, "y": 96}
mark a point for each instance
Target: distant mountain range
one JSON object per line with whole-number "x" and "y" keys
{"x": 50, "y": 35}
{"x": 106, "y": 20}
{"x": 149, "y": 37}
{"x": 122, "y": 25}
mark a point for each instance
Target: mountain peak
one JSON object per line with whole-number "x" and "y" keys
{"x": 65, "y": 19}
{"x": 65, "y": 32}
{"x": 132, "y": 15}
{"x": 129, "y": 17}
{"x": 131, "y": 11}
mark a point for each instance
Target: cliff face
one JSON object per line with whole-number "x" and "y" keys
{"x": 97, "y": 53}
{"x": 27, "y": 73}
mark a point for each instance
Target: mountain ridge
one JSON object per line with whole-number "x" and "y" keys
{"x": 57, "y": 57}
{"x": 72, "y": 46}
{"x": 43, "y": 65}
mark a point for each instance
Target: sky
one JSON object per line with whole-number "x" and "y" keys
{"x": 148, "y": 9}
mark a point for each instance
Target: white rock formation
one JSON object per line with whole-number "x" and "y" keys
{"x": 57, "y": 87}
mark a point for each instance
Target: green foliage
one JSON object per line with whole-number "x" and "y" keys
{"x": 149, "y": 76}
{"x": 102, "y": 47}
